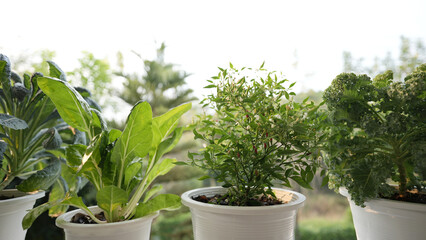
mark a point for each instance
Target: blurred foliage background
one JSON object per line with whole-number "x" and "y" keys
{"x": 325, "y": 215}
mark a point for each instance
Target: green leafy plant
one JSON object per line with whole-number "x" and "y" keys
{"x": 29, "y": 126}
{"x": 121, "y": 165}
{"x": 258, "y": 136}
{"x": 378, "y": 134}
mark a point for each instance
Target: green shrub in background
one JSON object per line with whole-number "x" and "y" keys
{"x": 324, "y": 229}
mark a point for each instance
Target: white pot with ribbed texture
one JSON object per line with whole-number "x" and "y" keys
{"x": 216, "y": 222}
{"x": 137, "y": 229}
{"x": 13, "y": 210}
{"x": 383, "y": 219}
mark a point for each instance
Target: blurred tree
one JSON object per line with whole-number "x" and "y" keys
{"x": 161, "y": 85}
{"x": 93, "y": 74}
{"x": 315, "y": 96}
{"x": 33, "y": 62}
{"x": 411, "y": 55}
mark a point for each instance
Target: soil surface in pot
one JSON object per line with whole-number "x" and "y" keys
{"x": 223, "y": 200}
{"x": 412, "y": 196}
{"x": 82, "y": 218}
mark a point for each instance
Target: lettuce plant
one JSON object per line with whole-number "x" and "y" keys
{"x": 29, "y": 125}
{"x": 378, "y": 134}
{"x": 121, "y": 165}
{"x": 258, "y": 136}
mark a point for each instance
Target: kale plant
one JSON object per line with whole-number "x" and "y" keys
{"x": 29, "y": 126}
{"x": 258, "y": 136}
{"x": 121, "y": 165}
{"x": 378, "y": 134}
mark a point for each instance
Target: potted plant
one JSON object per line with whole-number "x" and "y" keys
{"x": 28, "y": 127}
{"x": 258, "y": 137}
{"x": 121, "y": 165}
{"x": 378, "y": 140}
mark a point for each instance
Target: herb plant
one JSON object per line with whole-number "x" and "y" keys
{"x": 258, "y": 136}
{"x": 378, "y": 134}
{"x": 121, "y": 165}
{"x": 29, "y": 126}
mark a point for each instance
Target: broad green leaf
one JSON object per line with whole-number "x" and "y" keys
{"x": 69, "y": 103}
{"x": 32, "y": 215}
{"x": 55, "y": 71}
{"x": 168, "y": 144}
{"x": 74, "y": 155}
{"x": 42, "y": 179}
{"x": 74, "y": 182}
{"x": 3, "y": 162}
{"x": 5, "y": 72}
{"x": 148, "y": 195}
{"x": 131, "y": 172}
{"x": 12, "y": 122}
{"x": 90, "y": 162}
{"x": 99, "y": 119}
{"x": 168, "y": 121}
{"x": 53, "y": 141}
{"x": 113, "y": 135}
{"x": 160, "y": 202}
{"x": 111, "y": 199}
{"x": 78, "y": 203}
{"x": 135, "y": 140}
{"x": 57, "y": 193}
{"x": 27, "y": 81}
{"x": 160, "y": 169}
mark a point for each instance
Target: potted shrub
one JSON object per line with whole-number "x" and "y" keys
{"x": 258, "y": 137}
{"x": 376, "y": 154}
{"x": 121, "y": 165}
{"x": 28, "y": 127}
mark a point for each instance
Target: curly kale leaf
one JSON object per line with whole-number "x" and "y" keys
{"x": 378, "y": 133}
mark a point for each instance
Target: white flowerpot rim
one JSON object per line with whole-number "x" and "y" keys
{"x": 296, "y": 202}
{"x": 19, "y": 197}
{"x": 393, "y": 204}
{"x": 63, "y": 221}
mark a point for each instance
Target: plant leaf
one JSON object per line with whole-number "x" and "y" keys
{"x": 301, "y": 182}
{"x": 42, "y": 179}
{"x": 155, "y": 189}
{"x": 57, "y": 193}
{"x": 135, "y": 140}
{"x": 32, "y": 215}
{"x": 160, "y": 169}
{"x": 55, "y": 71}
{"x": 111, "y": 199}
{"x": 131, "y": 172}
{"x": 5, "y": 73}
{"x": 69, "y": 103}
{"x": 12, "y": 122}
{"x": 160, "y": 202}
{"x": 168, "y": 144}
{"x": 54, "y": 140}
{"x": 167, "y": 122}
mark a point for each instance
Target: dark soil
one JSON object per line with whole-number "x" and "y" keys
{"x": 410, "y": 197}
{"x": 223, "y": 200}
{"x": 82, "y": 218}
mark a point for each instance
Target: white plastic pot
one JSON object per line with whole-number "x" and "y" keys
{"x": 137, "y": 229}
{"x": 13, "y": 210}
{"x": 211, "y": 222}
{"x": 383, "y": 219}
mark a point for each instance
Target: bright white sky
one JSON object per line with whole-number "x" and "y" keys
{"x": 202, "y": 35}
